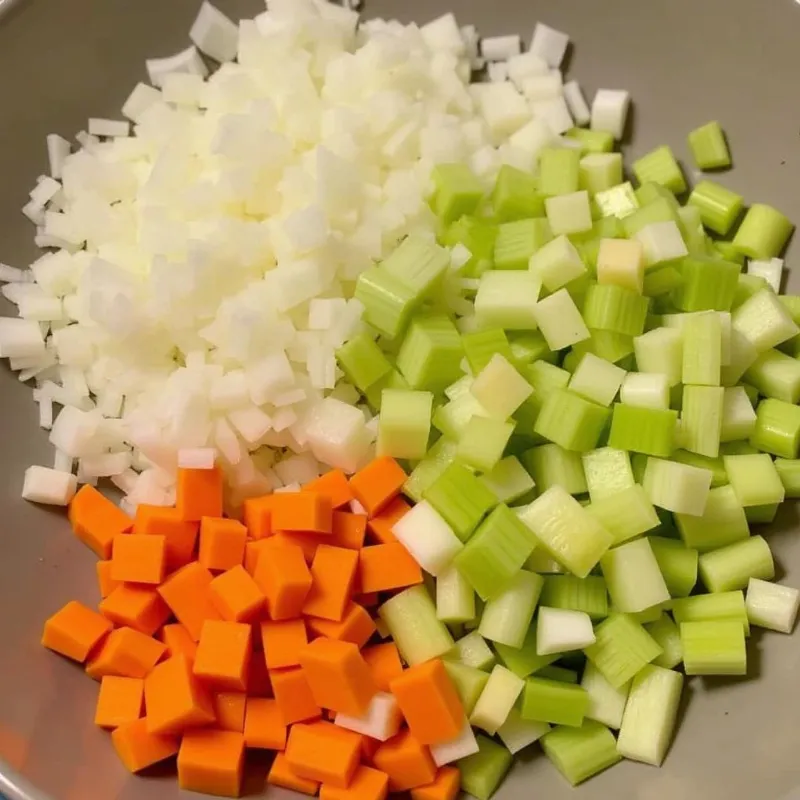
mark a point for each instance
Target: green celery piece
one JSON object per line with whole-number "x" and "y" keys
{"x": 613, "y": 308}
{"x": 483, "y": 441}
{"x": 702, "y": 349}
{"x": 660, "y": 351}
{"x": 731, "y": 567}
{"x": 606, "y": 704}
{"x": 529, "y": 346}
{"x": 480, "y": 346}
{"x": 659, "y": 166}
{"x": 455, "y": 600}
{"x": 676, "y": 487}
{"x": 754, "y": 479}
{"x": 478, "y": 236}
{"x": 558, "y": 264}
{"x": 508, "y": 481}
{"x": 430, "y": 354}
{"x": 362, "y": 361}
{"x": 507, "y": 617}
{"x": 713, "y": 648}
{"x": 719, "y": 207}
{"x": 608, "y": 345}
{"x": 387, "y": 301}
{"x": 718, "y": 475}
{"x": 789, "y": 473}
{"x": 775, "y": 375}
{"x": 763, "y": 233}
{"x": 709, "y": 284}
{"x": 551, "y": 701}
{"x": 457, "y": 192}
{"x": 596, "y": 379}
{"x": 708, "y": 146}
{"x": 469, "y": 682}
{"x": 592, "y": 141}
{"x": 471, "y": 650}
{"x": 393, "y": 380}
{"x": 607, "y": 471}
{"x": 451, "y": 418}
{"x": 727, "y": 251}
{"x": 600, "y": 172}
{"x": 777, "y": 428}
{"x": 542, "y": 562}
{"x": 517, "y": 733}
{"x": 552, "y": 465}
{"x": 737, "y": 449}
{"x": 712, "y": 607}
{"x": 516, "y": 195}
{"x": 761, "y": 514}
{"x": 524, "y": 661}
{"x": 580, "y": 753}
{"x": 764, "y": 320}
{"x": 792, "y": 305}
{"x": 517, "y": 241}
{"x": 626, "y": 514}
{"x": 651, "y": 191}
{"x": 643, "y": 430}
{"x": 576, "y": 594}
{"x": 560, "y": 321}
{"x": 570, "y": 421}
{"x": 668, "y": 635}
{"x": 483, "y": 772}
{"x": 701, "y": 419}
{"x": 659, "y": 209}
{"x": 497, "y": 700}
{"x": 633, "y": 577}
{"x": 553, "y": 672}
{"x": 545, "y": 378}
{"x": 738, "y": 415}
{"x": 417, "y": 263}
{"x": 404, "y": 424}
{"x": 661, "y": 281}
{"x": 747, "y": 286}
{"x": 559, "y": 171}
{"x": 677, "y": 564}
{"x": 508, "y": 299}
{"x": 429, "y": 469}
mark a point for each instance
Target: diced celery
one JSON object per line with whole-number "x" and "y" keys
{"x": 764, "y": 320}
{"x": 600, "y": 172}
{"x": 597, "y": 380}
{"x": 507, "y": 617}
{"x": 661, "y": 281}
{"x": 723, "y": 522}
{"x": 561, "y": 630}
{"x": 524, "y": 661}
{"x": 483, "y": 441}
{"x": 679, "y": 488}
{"x": 515, "y": 244}
{"x": 619, "y": 261}
{"x": 394, "y": 380}
{"x": 659, "y": 209}
{"x": 404, "y": 423}
{"x": 551, "y": 465}
{"x": 677, "y": 564}
{"x": 610, "y": 346}
{"x": 560, "y": 321}
{"x": 542, "y": 562}
{"x": 479, "y": 347}
{"x": 662, "y": 242}
{"x": 554, "y": 702}
{"x": 455, "y": 599}
{"x": 607, "y": 471}
{"x": 478, "y": 236}
{"x": 559, "y": 171}
{"x": 580, "y": 753}
{"x": 429, "y": 469}
{"x": 508, "y": 299}
{"x": 516, "y": 195}
{"x": 557, "y": 263}
{"x": 789, "y": 473}
{"x": 713, "y": 648}
{"x": 763, "y": 233}
{"x": 701, "y": 419}
{"x": 499, "y": 388}
{"x": 362, "y": 362}
{"x": 633, "y": 578}
{"x": 719, "y": 207}
{"x": 754, "y": 479}
{"x": 738, "y": 416}
{"x": 742, "y": 356}
{"x": 570, "y": 421}
{"x": 576, "y": 594}
{"x": 659, "y": 166}
{"x": 668, "y": 636}
{"x": 508, "y": 481}
{"x": 430, "y": 354}
{"x": 617, "y": 201}
{"x": 708, "y": 284}
{"x": 709, "y": 607}
{"x": 777, "y": 428}
{"x": 648, "y": 615}
{"x": 645, "y": 389}
{"x": 708, "y": 146}
{"x": 592, "y": 141}
{"x": 626, "y": 514}
{"x": 388, "y": 301}
{"x": 643, "y": 430}
{"x": 546, "y": 378}
{"x": 457, "y": 191}
{"x": 569, "y": 213}
{"x": 530, "y": 346}
{"x": 761, "y": 514}
{"x": 496, "y": 700}
{"x": 731, "y": 567}
{"x": 613, "y": 308}
{"x": 472, "y": 651}
{"x": 517, "y": 733}
{"x": 469, "y": 682}
{"x": 606, "y": 703}
{"x": 417, "y": 263}
{"x": 702, "y": 349}
{"x": 728, "y": 252}
{"x": 483, "y": 772}
{"x": 772, "y": 606}
{"x": 660, "y": 351}
{"x": 747, "y": 285}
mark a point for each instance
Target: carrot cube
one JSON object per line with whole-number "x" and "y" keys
{"x": 380, "y": 526}
{"x": 406, "y": 761}
{"x": 307, "y": 542}
{"x": 264, "y": 727}
{"x": 429, "y": 702}
{"x": 258, "y": 683}
{"x": 119, "y": 701}
{"x": 367, "y": 784}
{"x": 178, "y": 641}
{"x": 187, "y": 592}
{"x": 104, "y": 580}
{"x": 180, "y": 535}
{"x": 257, "y": 516}
{"x": 75, "y": 631}
{"x": 377, "y": 484}
{"x": 348, "y": 530}
{"x": 333, "y": 572}
{"x": 293, "y": 695}
{"x": 252, "y": 551}
{"x": 175, "y": 699}
{"x": 211, "y": 761}
{"x": 387, "y": 566}
{"x": 319, "y": 751}
{"x": 96, "y": 520}
{"x": 138, "y": 748}
{"x": 384, "y": 663}
{"x": 138, "y": 606}
{"x": 356, "y": 626}
{"x": 223, "y": 654}
{"x": 229, "y": 708}
{"x": 127, "y": 653}
{"x": 285, "y": 579}
{"x": 334, "y": 485}
{"x": 281, "y": 774}
{"x": 445, "y": 786}
{"x": 338, "y": 676}
{"x": 302, "y": 511}
{"x": 222, "y": 543}
{"x": 199, "y": 493}
{"x": 236, "y": 595}
{"x": 283, "y": 642}
{"x": 138, "y": 559}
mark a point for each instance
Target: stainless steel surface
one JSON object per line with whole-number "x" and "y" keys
{"x": 684, "y": 61}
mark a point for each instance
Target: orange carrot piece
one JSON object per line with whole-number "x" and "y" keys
{"x": 223, "y": 654}
{"x": 236, "y": 596}
{"x": 387, "y": 566}
{"x": 338, "y": 676}
{"x": 406, "y": 761}
{"x": 429, "y": 702}
{"x": 229, "y": 709}
{"x": 187, "y": 592}
{"x": 445, "y": 787}
{"x": 384, "y": 663}
{"x": 178, "y": 641}
{"x": 356, "y": 626}
{"x": 282, "y": 574}
{"x": 104, "y": 580}
{"x": 74, "y": 631}
{"x": 96, "y": 520}
{"x": 319, "y": 751}
{"x": 138, "y": 559}
{"x": 293, "y": 695}
{"x": 199, "y": 493}
{"x": 180, "y": 535}
{"x": 222, "y": 543}
{"x": 138, "y": 749}
{"x": 175, "y": 700}
{"x": 264, "y": 727}
{"x": 333, "y": 571}
{"x": 302, "y": 511}
{"x": 211, "y": 761}
{"x": 348, "y": 530}
{"x": 127, "y": 653}
{"x": 283, "y": 642}
{"x": 252, "y": 551}
{"x": 307, "y": 542}
{"x": 380, "y": 526}
{"x": 138, "y": 606}
{"x": 377, "y": 484}
{"x": 258, "y": 682}
{"x": 334, "y": 484}
{"x": 281, "y": 774}
{"x": 367, "y": 784}
{"x": 257, "y": 517}
{"x": 119, "y": 701}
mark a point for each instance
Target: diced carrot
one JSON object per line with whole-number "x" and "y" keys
{"x": 281, "y": 774}
{"x": 285, "y": 579}
{"x": 367, "y": 784}
{"x": 380, "y": 526}
{"x": 369, "y": 747}
{"x": 333, "y": 571}
{"x": 178, "y": 641}
{"x": 187, "y": 592}
{"x": 356, "y": 626}
{"x": 138, "y": 606}
{"x": 258, "y": 683}
{"x": 348, "y": 530}
{"x": 334, "y": 484}
{"x": 223, "y": 654}
{"x": 139, "y": 749}
{"x": 406, "y": 761}
{"x": 236, "y": 596}
{"x": 307, "y": 542}
{"x": 319, "y": 751}
{"x": 199, "y": 493}
{"x": 104, "y": 580}
{"x": 229, "y": 709}
{"x": 127, "y": 653}
{"x": 252, "y": 551}
{"x": 302, "y": 511}
{"x": 74, "y": 631}
{"x": 180, "y": 535}
{"x": 138, "y": 559}
{"x": 368, "y": 599}
{"x": 264, "y": 727}
{"x": 377, "y": 484}
{"x": 387, "y": 566}
{"x": 211, "y": 761}
{"x": 222, "y": 543}
{"x": 96, "y": 520}
{"x": 293, "y": 695}
{"x": 384, "y": 663}
{"x": 283, "y": 642}
{"x": 257, "y": 517}
{"x": 445, "y": 787}
{"x": 338, "y": 676}
{"x": 429, "y": 702}
{"x": 119, "y": 701}
{"x": 175, "y": 700}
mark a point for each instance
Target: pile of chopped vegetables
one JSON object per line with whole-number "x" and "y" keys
{"x": 563, "y": 398}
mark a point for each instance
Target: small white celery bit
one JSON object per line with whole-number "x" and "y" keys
{"x": 661, "y": 241}
{"x": 380, "y": 721}
{"x": 560, "y": 630}
{"x": 772, "y": 606}
{"x": 465, "y": 744}
{"x": 606, "y": 703}
{"x": 187, "y": 60}
{"x": 428, "y": 538}
{"x": 214, "y": 34}
{"x": 771, "y": 271}
{"x": 650, "y": 390}
{"x": 497, "y": 699}
{"x": 610, "y": 111}
{"x": 549, "y": 44}
{"x": 576, "y": 102}
{"x": 517, "y": 733}
{"x": 49, "y": 486}
{"x": 501, "y": 48}
{"x": 499, "y": 388}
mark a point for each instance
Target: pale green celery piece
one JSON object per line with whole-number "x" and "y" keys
{"x": 659, "y": 166}
{"x": 580, "y": 753}
{"x": 524, "y": 661}
{"x": 483, "y": 441}
{"x": 516, "y": 195}
{"x": 763, "y": 233}
{"x": 691, "y": 228}
{"x": 483, "y": 772}
{"x": 747, "y": 285}
{"x": 712, "y": 607}
{"x": 702, "y": 349}
{"x": 576, "y": 594}
{"x": 617, "y": 201}
{"x": 607, "y": 471}
{"x": 363, "y": 362}
{"x": 478, "y": 236}
{"x": 517, "y": 733}
{"x": 650, "y": 714}
{"x": 719, "y": 207}
{"x": 732, "y": 567}
{"x": 738, "y": 416}
{"x": 542, "y": 562}
{"x": 481, "y": 346}
{"x": 508, "y": 481}
{"x": 713, "y": 648}
{"x": 507, "y": 617}
{"x": 737, "y": 449}
{"x": 471, "y": 650}
{"x": 551, "y": 465}
{"x": 451, "y": 418}
{"x": 754, "y": 479}
{"x": 528, "y": 347}
{"x": 497, "y": 699}
{"x": 668, "y": 635}
{"x": 569, "y": 213}
{"x": 545, "y": 378}
{"x": 677, "y": 563}
{"x": 559, "y": 171}
{"x": 469, "y": 682}
{"x": 429, "y": 469}
{"x": 417, "y": 263}
{"x": 566, "y": 530}
{"x": 679, "y": 488}
{"x": 411, "y": 619}
{"x": 708, "y": 146}
{"x": 728, "y": 252}
{"x": 457, "y": 191}
{"x": 596, "y": 379}
{"x": 708, "y": 284}
{"x": 600, "y": 172}
{"x": 775, "y": 375}
{"x": 626, "y": 514}
{"x": 701, "y": 419}
{"x": 554, "y": 702}
{"x": 592, "y": 141}
{"x": 455, "y": 599}
{"x": 394, "y": 380}
{"x": 761, "y": 514}
{"x": 792, "y": 303}
{"x": 499, "y": 388}
{"x": 557, "y": 263}
{"x": 404, "y": 424}
{"x": 459, "y": 387}
{"x": 570, "y": 421}
{"x": 560, "y": 321}
{"x": 742, "y": 356}
{"x": 660, "y": 351}
{"x": 764, "y": 320}
{"x": 648, "y": 615}
{"x": 777, "y": 428}
{"x": 772, "y": 606}
{"x": 633, "y": 577}
{"x": 610, "y": 346}
{"x": 606, "y": 703}
{"x": 658, "y": 209}
{"x": 515, "y": 244}
{"x": 388, "y": 301}
{"x": 609, "y": 307}
{"x": 508, "y": 299}
{"x": 430, "y": 354}
{"x": 789, "y": 473}
{"x": 643, "y": 430}
{"x": 662, "y": 281}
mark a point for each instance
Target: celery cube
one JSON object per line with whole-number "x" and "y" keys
{"x": 426, "y": 471}
{"x": 478, "y": 236}
{"x": 417, "y": 263}
{"x": 602, "y": 172}
{"x": 392, "y": 380}
{"x": 362, "y": 361}
{"x": 722, "y": 522}
{"x": 500, "y": 389}
{"x": 524, "y": 660}
{"x": 643, "y": 430}
{"x": 472, "y": 651}
{"x": 763, "y": 233}
{"x": 455, "y": 598}
{"x": 677, "y": 563}
{"x": 646, "y": 389}
{"x": 580, "y": 753}
{"x": 452, "y": 418}
{"x": 619, "y": 262}
{"x": 708, "y": 146}
{"x": 508, "y": 481}
{"x": 738, "y": 417}
{"x": 660, "y": 351}
{"x": 457, "y": 191}
{"x": 719, "y": 207}
{"x": 617, "y": 201}
{"x": 508, "y": 299}
{"x": 764, "y": 320}
{"x": 597, "y": 380}
{"x": 496, "y": 700}
{"x": 679, "y": 488}
{"x": 609, "y": 307}
{"x": 569, "y": 213}
{"x": 483, "y": 772}
{"x": 789, "y": 471}
{"x": 608, "y": 471}
{"x": 633, "y": 577}
{"x": 559, "y": 171}
{"x": 404, "y": 424}
{"x": 552, "y": 465}
{"x": 554, "y": 702}
{"x": 570, "y": 421}
{"x": 592, "y": 141}
{"x": 576, "y": 594}
{"x": 626, "y": 514}
{"x": 560, "y": 321}
{"x": 775, "y": 375}
{"x": 661, "y": 242}
{"x": 516, "y": 195}
{"x": 515, "y": 244}
{"x": 507, "y": 617}
{"x": 517, "y": 733}
{"x": 606, "y": 704}
{"x": 701, "y": 419}
{"x": 483, "y": 441}
{"x": 387, "y": 301}
{"x": 481, "y": 346}
{"x": 557, "y": 263}
{"x": 713, "y": 648}
{"x": 702, "y": 349}
{"x": 708, "y": 284}
{"x": 659, "y": 166}
{"x": 430, "y": 354}
{"x": 777, "y": 428}
{"x": 730, "y": 568}
{"x": 530, "y": 346}
{"x": 468, "y": 681}
{"x": 772, "y": 606}
{"x": 754, "y": 479}
{"x": 668, "y": 636}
